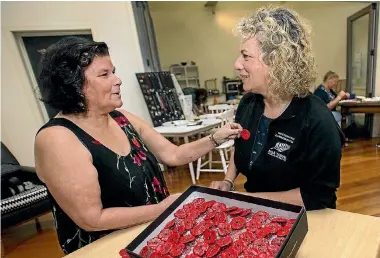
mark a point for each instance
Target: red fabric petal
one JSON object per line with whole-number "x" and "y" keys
{"x": 137, "y": 160}
{"x": 142, "y": 155}
{"x": 136, "y": 142}
{"x": 121, "y": 121}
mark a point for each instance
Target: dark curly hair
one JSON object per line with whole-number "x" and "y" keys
{"x": 61, "y": 77}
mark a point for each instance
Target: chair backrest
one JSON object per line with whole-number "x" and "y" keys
{"x": 7, "y": 157}
{"x": 227, "y": 116}
{"x": 9, "y": 163}
{"x": 215, "y": 109}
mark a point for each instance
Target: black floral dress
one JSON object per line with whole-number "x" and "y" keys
{"x": 125, "y": 181}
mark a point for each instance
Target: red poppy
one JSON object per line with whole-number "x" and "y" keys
{"x": 123, "y": 252}
{"x": 136, "y": 142}
{"x": 144, "y": 252}
{"x": 142, "y": 155}
{"x": 121, "y": 121}
{"x": 245, "y": 134}
{"x": 137, "y": 160}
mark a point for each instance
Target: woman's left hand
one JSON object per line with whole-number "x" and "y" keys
{"x": 228, "y": 132}
{"x": 221, "y": 185}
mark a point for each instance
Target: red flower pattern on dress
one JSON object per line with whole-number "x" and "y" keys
{"x": 96, "y": 142}
{"x": 156, "y": 185}
{"x": 136, "y": 142}
{"x": 166, "y": 192}
{"x": 121, "y": 121}
{"x": 137, "y": 160}
{"x": 142, "y": 155}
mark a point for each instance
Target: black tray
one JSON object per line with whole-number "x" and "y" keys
{"x": 289, "y": 248}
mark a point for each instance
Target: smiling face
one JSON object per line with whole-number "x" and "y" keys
{"x": 251, "y": 67}
{"x": 102, "y": 86}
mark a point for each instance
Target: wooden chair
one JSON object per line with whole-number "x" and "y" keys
{"x": 226, "y": 116}
{"x": 220, "y": 108}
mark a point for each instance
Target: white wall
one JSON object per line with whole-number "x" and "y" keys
{"x": 188, "y": 31}
{"x": 111, "y": 22}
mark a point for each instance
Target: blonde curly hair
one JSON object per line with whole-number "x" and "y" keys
{"x": 285, "y": 41}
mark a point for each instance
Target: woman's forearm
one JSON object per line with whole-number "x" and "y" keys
{"x": 333, "y": 103}
{"x": 231, "y": 171}
{"x": 292, "y": 196}
{"x": 123, "y": 217}
{"x": 190, "y": 152}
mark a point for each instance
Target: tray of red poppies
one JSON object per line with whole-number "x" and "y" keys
{"x": 205, "y": 222}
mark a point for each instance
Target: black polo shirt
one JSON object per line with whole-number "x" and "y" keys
{"x": 326, "y": 95}
{"x": 303, "y": 150}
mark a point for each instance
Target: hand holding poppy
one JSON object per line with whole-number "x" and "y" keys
{"x": 228, "y": 132}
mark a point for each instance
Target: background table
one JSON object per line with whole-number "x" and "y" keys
{"x": 370, "y": 107}
{"x": 332, "y": 233}
{"x": 186, "y": 131}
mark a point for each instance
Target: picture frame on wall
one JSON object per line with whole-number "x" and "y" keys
{"x": 32, "y": 45}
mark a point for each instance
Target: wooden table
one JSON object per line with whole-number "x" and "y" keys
{"x": 332, "y": 233}
{"x": 186, "y": 131}
{"x": 358, "y": 107}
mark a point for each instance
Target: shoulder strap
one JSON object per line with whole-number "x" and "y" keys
{"x": 123, "y": 121}
{"x": 128, "y": 129}
{"x": 83, "y": 137}
{"x": 117, "y": 113}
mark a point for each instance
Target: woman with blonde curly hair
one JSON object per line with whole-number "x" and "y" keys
{"x": 290, "y": 148}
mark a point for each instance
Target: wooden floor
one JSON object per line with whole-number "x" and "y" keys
{"x": 359, "y": 192}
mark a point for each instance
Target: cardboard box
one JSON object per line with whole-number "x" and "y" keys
{"x": 289, "y": 248}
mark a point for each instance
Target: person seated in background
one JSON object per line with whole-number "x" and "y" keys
{"x": 199, "y": 98}
{"x": 98, "y": 163}
{"x": 290, "y": 147}
{"x": 327, "y": 94}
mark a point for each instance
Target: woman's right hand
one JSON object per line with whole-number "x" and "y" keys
{"x": 221, "y": 185}
{"x": 342, "y": 94}
{"x": 228, "y": 132}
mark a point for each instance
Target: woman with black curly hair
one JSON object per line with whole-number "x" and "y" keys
{"x": 290, "y": 148}
{"x": 98, "y": 163}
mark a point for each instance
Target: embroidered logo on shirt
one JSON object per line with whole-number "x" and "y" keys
{"x": 277, "y": 149}
{"x": 281, "y": 147}
{"x": 284, "y": 137}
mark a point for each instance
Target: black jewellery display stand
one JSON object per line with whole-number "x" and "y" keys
{"x": 160, "y": 97}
